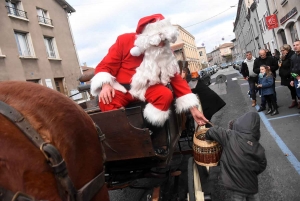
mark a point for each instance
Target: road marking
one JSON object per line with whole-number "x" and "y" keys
{"x": 234, "y": 78}
{"x": 290, "y": 156}
{"x": 281, "y": 117}
{"x": 245, "y": 83}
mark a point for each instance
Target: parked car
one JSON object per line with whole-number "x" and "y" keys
{"x": 238, "y": 65}
{"x": 205, "y": 77}
{"x": 224, "y": 65}
{"x": 216, "y": 68}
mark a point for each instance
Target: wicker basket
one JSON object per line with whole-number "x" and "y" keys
{"x": 205, "y": 153}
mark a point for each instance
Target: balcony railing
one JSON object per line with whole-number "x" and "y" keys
{"x": 16, "y": 12}
{"x": 45, "y": 20}
{"x": 51, "y": 54}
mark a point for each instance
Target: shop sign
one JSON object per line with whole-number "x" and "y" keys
{"x": 272, "y": 21}
{"x": 289, "y": 15}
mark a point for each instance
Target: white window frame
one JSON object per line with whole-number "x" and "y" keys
{"x": 1, "y": 55}
{"x": 17, "y": 5}
{"x": 42, "y": 13}
{"x": 50, "y": 45}
{"x": 26, "y": 49}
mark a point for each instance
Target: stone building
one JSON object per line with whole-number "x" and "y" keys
{"x": 246, "y": 28}
{"x": 221, "y": 54}
{"x": 185, "y": 49}
{"x": 269, "y": 38}
{"x": 203, "y": 56}
{"x": 36, "y": 44}
{"x": 288, "y": 16}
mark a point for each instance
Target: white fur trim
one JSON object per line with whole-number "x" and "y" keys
{"x": 186, "y": 102}
{"x": 117, "y": 86}
{"x": 155, "y": 116}
{"x": 98, "y": 80}
{"x": 136, "y": 51}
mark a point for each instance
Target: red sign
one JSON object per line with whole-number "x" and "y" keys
{"x": 272, "y": 21}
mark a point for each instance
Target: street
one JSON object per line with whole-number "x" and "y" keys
{"x": 279, "y": 136}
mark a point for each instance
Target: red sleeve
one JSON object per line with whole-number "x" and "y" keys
{"x": 112, "y": 61}
{"x": 180, "y": 86}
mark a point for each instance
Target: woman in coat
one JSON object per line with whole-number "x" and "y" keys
{"x": 285, "y": 72}
{"x": 210, "y": 101}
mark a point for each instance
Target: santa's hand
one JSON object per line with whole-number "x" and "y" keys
{"x": 198, "y": 116}
{"x": 107, "y": 93}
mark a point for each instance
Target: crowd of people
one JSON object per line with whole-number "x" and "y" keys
{"x": 261, "y": 75}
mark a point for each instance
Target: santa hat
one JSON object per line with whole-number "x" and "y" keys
{"x": 151, "y": 30}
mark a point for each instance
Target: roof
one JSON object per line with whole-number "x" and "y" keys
{"x": 176, "y": 47}
{"x": 65, "y": 5}
{"x": 226, "y": 45}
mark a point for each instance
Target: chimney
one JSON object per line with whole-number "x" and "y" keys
{"x": 84, "y": 64}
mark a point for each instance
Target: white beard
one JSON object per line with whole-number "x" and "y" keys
{"x": 158, "y": 66}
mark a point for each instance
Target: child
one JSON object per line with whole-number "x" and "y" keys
{"x": 265, "y": 82}
{"x": 295, "y": 76}
{"x": 243, "y": 158}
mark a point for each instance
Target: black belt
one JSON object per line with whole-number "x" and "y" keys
{"x": 126, "y": 86}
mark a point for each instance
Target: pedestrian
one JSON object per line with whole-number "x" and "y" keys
{"x": 243, "y": 157}
{"x": 285, "y": 72}
{"x": 265, "y": 82}
{"x": 295, "y": 69}
{"x": 249, "y": 75}
{"x": 263, "y": 59}
{"x": 138, "y": 67}
{"x": 276, "y": 55}
{"x": 211, "y": 102}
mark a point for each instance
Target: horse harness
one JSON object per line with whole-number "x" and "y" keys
{"x": 55, "y": 160}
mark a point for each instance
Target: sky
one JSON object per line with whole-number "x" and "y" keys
{"x": 97, "y": 23}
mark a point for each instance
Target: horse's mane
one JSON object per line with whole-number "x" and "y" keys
{"x": 58, "y": 120}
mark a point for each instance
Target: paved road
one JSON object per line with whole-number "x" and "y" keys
{"x": 280, "y": 138}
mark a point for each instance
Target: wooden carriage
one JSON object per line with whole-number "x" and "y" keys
{"x": 135, "y": 149}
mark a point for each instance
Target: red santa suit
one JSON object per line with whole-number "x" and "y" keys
{"x": 135, "y": 59}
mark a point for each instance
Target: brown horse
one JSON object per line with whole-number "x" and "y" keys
{"x": 59, "y": 121}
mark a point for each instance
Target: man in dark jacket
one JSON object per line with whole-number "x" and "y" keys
{"x": 263, "y": 59}
{"x": 295, "y": 68}
{"x": 243, "y": 157}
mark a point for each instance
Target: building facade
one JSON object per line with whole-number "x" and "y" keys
{"x": 36, "y": 44}
{"x": 203, "y": 56}
{"x": 247, "y": 29}
{"x": 269, "y": 37}
{"x": 221, "y": 54}
{"x": 288, "y": 16}
{"x": 185, "y": 49}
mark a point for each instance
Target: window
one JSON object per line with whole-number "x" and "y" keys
{"x": 15, "y": 8}
{"x": 294, "y": 33}
{"x": 34, "y": 81}
{"x": 200, "y": 53}
{"x": 51, "y": 47}
{"x": 24, "y": 44}
{"x": 43, "y": 16}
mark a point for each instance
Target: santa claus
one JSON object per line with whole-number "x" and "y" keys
{"x": 138, "y": 67}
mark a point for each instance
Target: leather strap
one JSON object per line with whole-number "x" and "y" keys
{"x": 8, "y": 195}
{"x": 15, "y": 117}
{"x": 89, "y": 190}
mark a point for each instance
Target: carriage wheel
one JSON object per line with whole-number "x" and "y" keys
{"x": 194, "y": 185}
